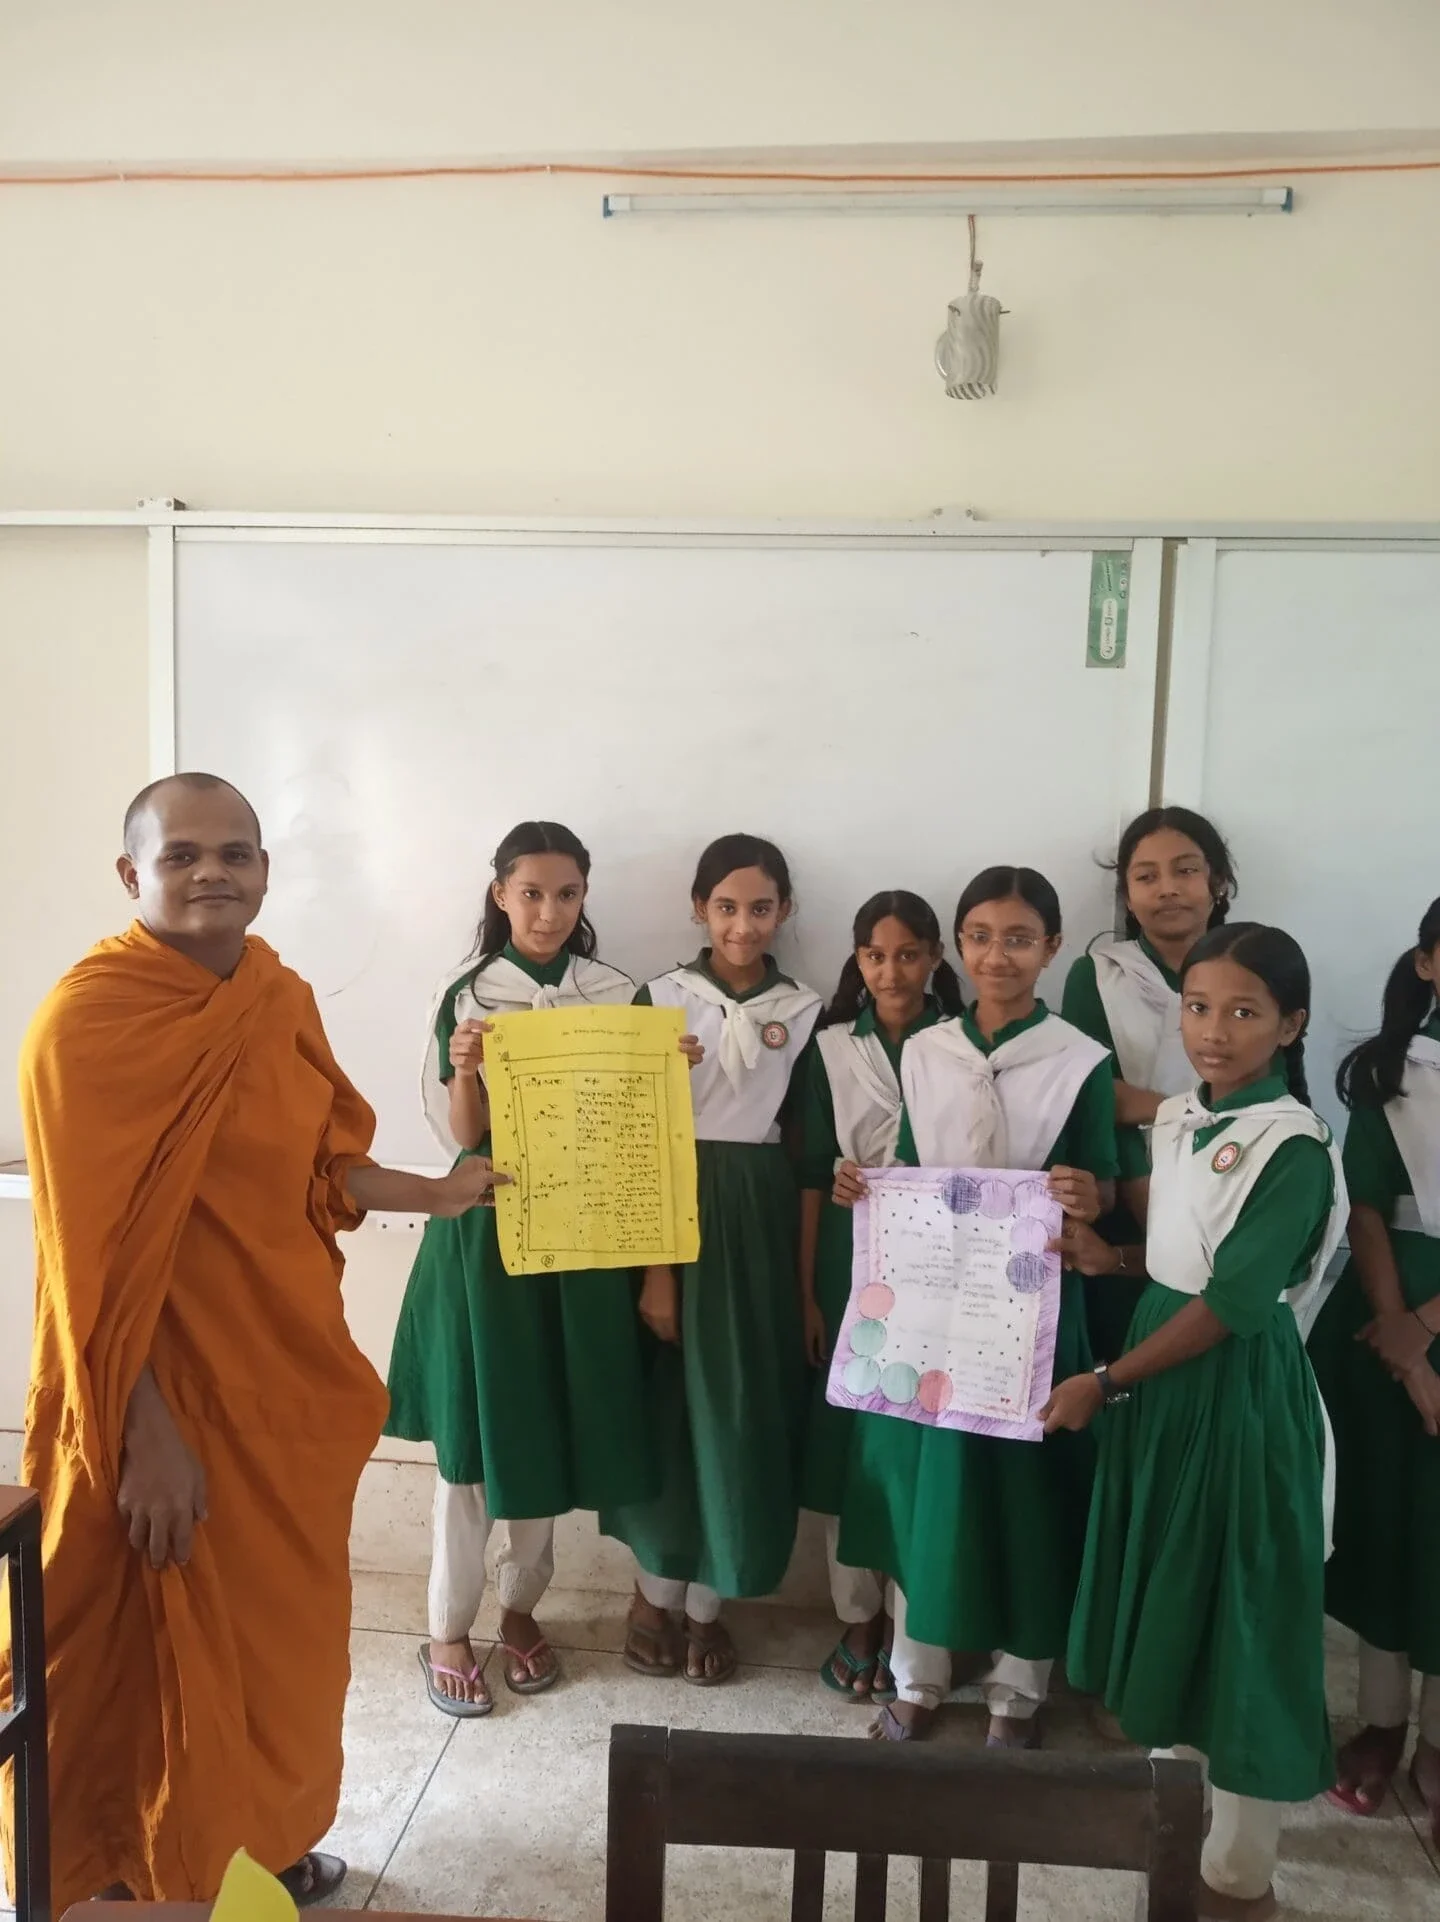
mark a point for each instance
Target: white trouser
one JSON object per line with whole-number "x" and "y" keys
{"x": 1012, "y": 1687}
{"x": 1243, "y": 1845}
{"x": 1385, "y": 1693}
{"x": 855, "y": 1592}
{"x": 461, "y": 1531}
{"x": 700, "y": 1603}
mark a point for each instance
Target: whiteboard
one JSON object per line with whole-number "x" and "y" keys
{"x": 892, "y": 716}
{"x": 1318, "y": 763}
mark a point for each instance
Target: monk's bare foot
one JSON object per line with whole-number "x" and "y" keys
{"x": 857, "y": 1675}
{"x": 456, "y": 1672}
{"x": 530, "y": 1664}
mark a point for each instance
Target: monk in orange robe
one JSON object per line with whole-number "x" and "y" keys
{"x": 198, "y": 1413}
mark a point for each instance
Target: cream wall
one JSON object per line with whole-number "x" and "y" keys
{"x": 495, "y": 346}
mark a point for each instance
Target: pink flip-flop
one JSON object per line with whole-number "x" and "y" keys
{"x": 463, "y": 1711}
{"x": 533, "y": 1684}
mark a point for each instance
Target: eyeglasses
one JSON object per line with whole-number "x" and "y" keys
{"x": 981, "y": 938}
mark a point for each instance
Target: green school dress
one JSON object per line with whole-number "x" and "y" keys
{"x": 1200, "y": 1617}
{"x": 984, "y": 1536}
{"x": 1110, "y": 1300}
{"x": 1383, "y": 1580}
{"x": 726, "y": 1408}
{"x": 531, "y": 1384}
{"x": 826, "y": 1447}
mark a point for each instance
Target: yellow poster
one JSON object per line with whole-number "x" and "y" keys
{"x": 590, "y": 1116}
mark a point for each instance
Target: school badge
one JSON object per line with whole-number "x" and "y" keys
{"x": 775, "y": 1034}
{"x": 1225, "y": 1157}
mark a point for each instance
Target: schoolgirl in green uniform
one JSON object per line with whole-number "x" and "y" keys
{"x": 1375, "y": 1348}
{"x": 983, "y": 1536}
{"x": 1200, "y": 1617}
{"x": 1173, "y": 879}
{"x": 529, "y": 1386}
{"x": 725, "y": 1391}
{"x": 895, "y": 983}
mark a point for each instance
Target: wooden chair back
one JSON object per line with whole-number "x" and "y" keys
{"x": 819, "y": 1795}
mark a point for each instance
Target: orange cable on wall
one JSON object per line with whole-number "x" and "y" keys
{"x": 530, "y": 168}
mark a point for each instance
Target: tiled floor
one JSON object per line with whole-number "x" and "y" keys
{"x": 506, "y": 1816}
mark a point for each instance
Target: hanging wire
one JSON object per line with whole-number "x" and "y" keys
{"x": 977, "y": 267}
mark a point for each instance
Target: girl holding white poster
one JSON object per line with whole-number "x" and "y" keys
{"x": 895, "y": 984}
{"x": 983, "y": 1535}
{"x": 1202, "y": 1605}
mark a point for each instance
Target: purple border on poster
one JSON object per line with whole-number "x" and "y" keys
{"x": 966, "y": 1188}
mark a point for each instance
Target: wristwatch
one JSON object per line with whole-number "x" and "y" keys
{"x": 1110, "y": 1392}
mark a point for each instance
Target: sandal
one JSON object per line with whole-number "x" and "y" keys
{"x": 884, "y": 1689}
{"x": 1020, "y": 1732}
{"x": 526, "y": 1683}
{"x": 662, "y": 1641}
{"x": 709, "y": 1638}
{"x": 462, "y": 1710}
{"x": 312, "y": 1879}
{"x": 858, "y": 1668}
{"x": 887, "y": 1726}
{"x": 1365, "y": 1767}
{"x": 1426, "y": 1784}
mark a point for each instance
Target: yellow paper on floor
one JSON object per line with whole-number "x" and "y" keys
{"x": 591, "y": 1117}
{"x": 251, "y": 1894}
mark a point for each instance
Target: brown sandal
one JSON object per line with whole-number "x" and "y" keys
{"x": 709, "y": 1638}
{"x": 663, "y": 1643}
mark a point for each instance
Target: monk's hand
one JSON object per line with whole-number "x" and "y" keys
{"x": 849, "y": 1185}
{"x": 162, "y": 1484}
{"x": 1073, "y": 1404}
{"x": 1399, "y": 1338}
{"x": 471, "y": 1183}
{"x": 693, "y": 1049}
{"x": 660, "y": 1302}
{"x": 1078, "y": 1193}
{"x": 1083, "y": 1251}
{"x": 467, "y": 1046}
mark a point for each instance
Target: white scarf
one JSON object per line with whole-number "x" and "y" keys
{"x": 865, "y": 1095}
{"x": 1002, "y": 1110}
{"x": 740, "y": 1043}
{"x": 1194, "y": 1205}
{"x": 499, "y": 987}
{"x": 1144, "y": 1015}
{"x": 1414, "y": 1119}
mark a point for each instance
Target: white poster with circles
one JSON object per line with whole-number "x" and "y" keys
{"x": 954, "y": 1300}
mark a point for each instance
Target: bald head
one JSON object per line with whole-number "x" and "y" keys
{"x": 194, "y": 866}
{"x": 146, "y": 800}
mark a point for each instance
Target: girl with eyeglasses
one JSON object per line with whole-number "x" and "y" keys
{"x": 983, "y": 1536}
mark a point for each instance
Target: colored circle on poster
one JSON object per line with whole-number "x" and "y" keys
{"x": 1029, "y": 1236}
{"x": 862, "y": 1377}
{"x": 867, "y": 1337}
{"x": 1033, "y": 1198}
{"x": 899, "y": 1383}
{"x": 1026, "y": 1273}
{"x": 962, "y": 1194}
{"x": 876, "y": 1301}
{"x": 935, "y": 1391}
{"x": 997, "y": 1199}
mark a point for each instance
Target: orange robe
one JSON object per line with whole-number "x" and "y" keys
{"x": 188, "y": 1140}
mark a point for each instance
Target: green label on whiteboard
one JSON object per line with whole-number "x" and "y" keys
{"x": 1109, "y": 610}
